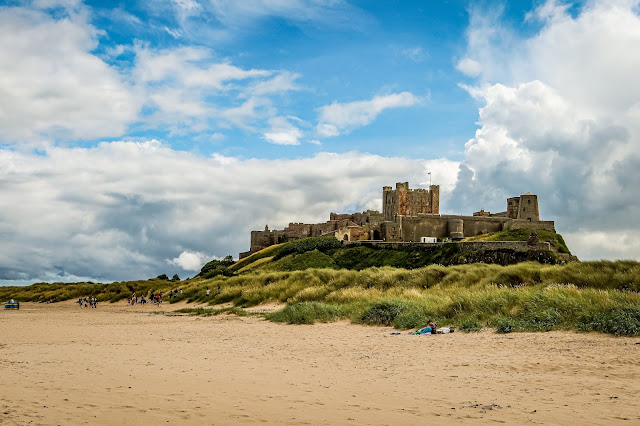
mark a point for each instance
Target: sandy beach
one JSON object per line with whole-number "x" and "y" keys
{"x": 62, "y": 364}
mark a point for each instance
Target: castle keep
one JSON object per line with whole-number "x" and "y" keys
{"x": 409, "y": 215}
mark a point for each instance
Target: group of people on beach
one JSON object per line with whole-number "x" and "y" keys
{"x": 88, "y": 301}
{"x": 133, "y": 300}
{"x": 174, "y": 293}
{"x": 156, "y": 299}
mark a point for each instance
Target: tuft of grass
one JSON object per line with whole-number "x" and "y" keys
{"x": 309, "y": 313}
{"x": 207, "y": 312}
{"x": 617, "y": 321}
{"x": 505, "y": 325}
{"x": 470, "y": 325}
{"x": 383, "y": 313}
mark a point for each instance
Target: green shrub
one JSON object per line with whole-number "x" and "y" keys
{"x": 383, "y": 313}
{"x": 216, "y": 267}
{"x": 470, "y": 325}
{"x": 617, "y": 321}
{"x": 544, "y": 320}
{"x": 411, "y": 319}
{"x": 505, "y": 325}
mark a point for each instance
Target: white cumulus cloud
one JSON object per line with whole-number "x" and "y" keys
{"x": 52, "y": 85}
{"x": 469, "y": 67}
{"x": 283, "y": 132}
{"x": 340, "y": 118}
{"x": 189, "y": 261}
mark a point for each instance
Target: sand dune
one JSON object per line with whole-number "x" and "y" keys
{"x": 62, "y": 364}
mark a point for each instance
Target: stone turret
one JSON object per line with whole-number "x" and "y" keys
{"x": 528, "y": 209}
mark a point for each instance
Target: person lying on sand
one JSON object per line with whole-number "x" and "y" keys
{"x": 430, "y": 328}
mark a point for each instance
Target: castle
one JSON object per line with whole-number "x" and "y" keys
{"x": 409, "y": 215}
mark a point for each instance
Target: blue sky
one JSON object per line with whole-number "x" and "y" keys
{"x": 343, "y": 53}
{"x": 147, "y": 137}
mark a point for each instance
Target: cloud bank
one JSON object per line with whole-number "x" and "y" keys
{"x": 126, "y": 210}
{"x": 561, "y": 118}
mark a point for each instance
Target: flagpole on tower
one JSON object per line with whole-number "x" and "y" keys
{"x": 429, "y": 179}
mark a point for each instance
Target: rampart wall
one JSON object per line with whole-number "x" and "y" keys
{"x": 518, "y": 246}
{"x": 547, "y": 225}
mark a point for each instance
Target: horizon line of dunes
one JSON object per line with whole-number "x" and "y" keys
{"x": 586, "y": 296}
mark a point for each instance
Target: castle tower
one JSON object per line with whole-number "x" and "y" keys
{"x": 434, "y": 190}
{"x": 402, "y": 198}
{"x": 513, "y": 207}
{"x": 388, "y": 202}
{"x": 528, "y": 209}
{"x": 409, "y": 202}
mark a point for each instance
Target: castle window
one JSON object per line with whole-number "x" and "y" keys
{"x": 528, "y": 201}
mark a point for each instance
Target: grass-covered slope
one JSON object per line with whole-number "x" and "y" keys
{"x": 523, "y": 235}
{"x": 328, "y": 252}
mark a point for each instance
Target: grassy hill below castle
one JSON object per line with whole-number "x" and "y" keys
{"x": 556, "y": 240}
{"x": 322, "y": 280}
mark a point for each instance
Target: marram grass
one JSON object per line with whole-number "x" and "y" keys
{"x": 588, "y": 296}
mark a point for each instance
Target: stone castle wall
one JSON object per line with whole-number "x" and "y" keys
{"x": 519, "y": 246}
{"x": 407, "y": 216}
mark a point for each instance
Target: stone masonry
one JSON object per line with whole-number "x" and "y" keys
{"x": 409, "y": 215}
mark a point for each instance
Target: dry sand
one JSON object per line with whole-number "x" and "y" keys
{"x": 61, "y": 364}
